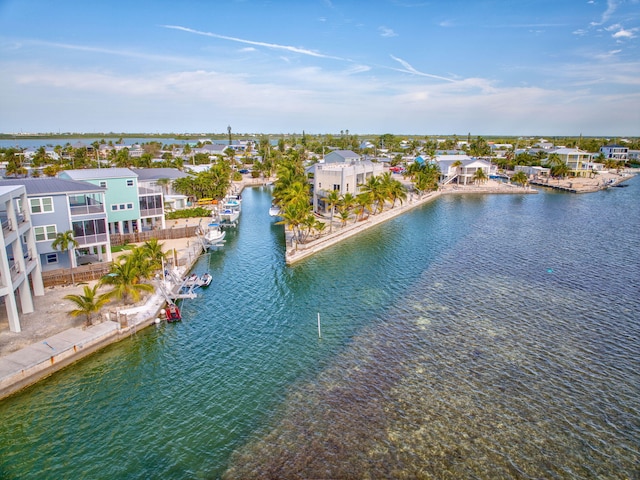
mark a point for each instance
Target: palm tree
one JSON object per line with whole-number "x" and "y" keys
{"x": 293, "y": 215}
{"x": 125, "y": 278}
{"x": 457, "y": 164}
{"x": 66, "y": 243}
{"x": 87, "y": 304}
{"x": 520, "y": 178}
{"x": 139, "y": 258}
{"x": 319, "y": 227}
{"x": 479, "y": 176}
{"x": 560, "y": 170}
{"x": 344, "y": 217}
{"x": 374, "y": 187}
{"x": 164, "y": 184}
{"x": 363, "y": 202}
{"x": 152, "y": 250}
{"x": 554, "y": 160}
{"x": 397, "y": 191}
{"x": 332, "y": 200}
{"x": 347, "y": 203}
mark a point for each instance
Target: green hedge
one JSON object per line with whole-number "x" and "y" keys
{"x": 188, "y": 213}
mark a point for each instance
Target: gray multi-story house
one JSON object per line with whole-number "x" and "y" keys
{"x": 20, "y": 272}
{"x": 58, "y": 205}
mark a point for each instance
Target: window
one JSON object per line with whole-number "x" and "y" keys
{"x": 129, "y": 206}
{"x": 89, "y": 227}
{"x": 129, "y": 183}
{"x": 103, "y": 184}
{"x": 41, "y": 205}
{"x": 114, "y": 207}
{"x": 336, "y": 187}
{"x": 45, "y": 233}
{"x": 51, "y": 258}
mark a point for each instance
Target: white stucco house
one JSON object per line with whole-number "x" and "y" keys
{"x": 341, "y": 170}
{"x": 462, "y": 168}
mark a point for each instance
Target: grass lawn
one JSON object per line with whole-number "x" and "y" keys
{"x": 121, "y": 248}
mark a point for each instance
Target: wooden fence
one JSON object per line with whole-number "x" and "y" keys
{"x": 85, "y": 273}
{"x": 166, "y": 234}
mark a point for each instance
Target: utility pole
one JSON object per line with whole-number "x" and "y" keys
{"x": 229, "y": 131}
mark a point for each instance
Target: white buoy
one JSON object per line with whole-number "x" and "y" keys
{"x": 319, "y": 333}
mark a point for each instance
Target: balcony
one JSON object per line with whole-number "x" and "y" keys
{"x": 92, "y": 239}
{"x": 151, "y": 212}
{"x": 87, "y": 209}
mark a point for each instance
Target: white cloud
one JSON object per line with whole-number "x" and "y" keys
{"x": 612, "y": 5}
{"x": 622, "y": 33}
{"x": 607, "y": 55}
{"x": 386, "y": 32}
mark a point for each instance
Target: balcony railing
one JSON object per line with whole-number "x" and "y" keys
{"x": 91, "y": 239}
{"x": 151, "y": 212}
{"x": 86, "y": 209}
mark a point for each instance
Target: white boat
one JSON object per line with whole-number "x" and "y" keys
{"x": 190, "y": 282}
{"x": 193, "y": 281}
{"x": 274, "y": 211}
{"x": 205, "y": 279}
{"x": 230, "y": 210}
{"x": 214, "y": 235}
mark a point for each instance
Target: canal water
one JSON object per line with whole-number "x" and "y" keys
{"x": 488, "y": 336}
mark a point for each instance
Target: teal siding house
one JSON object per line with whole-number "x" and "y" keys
{"x": 121, "y": 195}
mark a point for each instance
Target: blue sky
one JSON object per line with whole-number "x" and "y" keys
{"x": 485, "y": 67}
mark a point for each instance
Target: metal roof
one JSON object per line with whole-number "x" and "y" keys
{"x": 146, "y": 174}
{"x": 98, "y": 173}
{"x": 44, "y": 186}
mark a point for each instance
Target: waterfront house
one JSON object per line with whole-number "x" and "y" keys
{"x": 342, "y": 170}
{"x": 578, "y": 161}
{"x": 121, "y": 197}
{"x": 158, "y": 181}
{"x": 20, "y": 270}
{"x": 462, "y": 168}
{"x": 56, "y": 205}
{"x": 532, "y": 171}
{"x": 618, "y": 153}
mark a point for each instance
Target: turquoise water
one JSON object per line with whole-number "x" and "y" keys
{"x": 478, "y": 336}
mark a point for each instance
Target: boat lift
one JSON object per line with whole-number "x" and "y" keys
{"x": 174, "y": 288}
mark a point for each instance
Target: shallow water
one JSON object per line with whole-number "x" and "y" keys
{"x": 477, "y": 337}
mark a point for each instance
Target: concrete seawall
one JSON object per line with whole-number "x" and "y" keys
{"x": 298, "y": 252}
{"x": 39, "y": 360}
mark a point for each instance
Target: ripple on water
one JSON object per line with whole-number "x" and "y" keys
{"x": 489, "y": 367}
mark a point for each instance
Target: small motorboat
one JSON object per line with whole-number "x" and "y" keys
{"x": 274, "y": 211}
{"x": 173, "y": 313}
{"x": 205, "y": 279}
{"x": 191, "y": 281}
{"x": 214, "y": 236}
